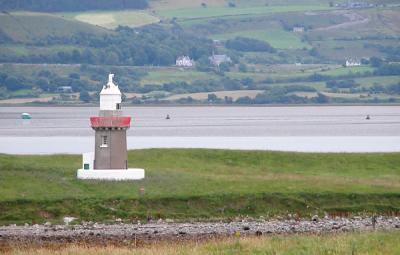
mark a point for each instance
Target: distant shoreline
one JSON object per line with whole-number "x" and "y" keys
{"x": 204, "y": 105}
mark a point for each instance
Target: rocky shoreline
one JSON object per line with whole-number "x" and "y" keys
{"x": 135, "y": 234}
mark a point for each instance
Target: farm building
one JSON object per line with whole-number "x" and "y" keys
{"x": 64, "y": 89}
{"x": 185, "y": 61}
{"x": 298, "y": 29}
{"x": 216, "y": 60}
{"x": 351, "y": 62}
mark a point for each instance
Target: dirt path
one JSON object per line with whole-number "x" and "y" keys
{"x": 134, "y": 234}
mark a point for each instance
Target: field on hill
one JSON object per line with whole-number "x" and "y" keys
{"x": 28, "y": 27}
{"x": 45, "y": 188}
{"x": 387, "y": 243}
{"x": 276, "y": 37}
{"x": 113, "y": 19}
{"x": 201, "y": 12}
{"x": 165, "y": 75}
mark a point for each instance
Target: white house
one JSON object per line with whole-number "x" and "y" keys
{"x": 352, "y": 62}
{"x": 184, "y": 61}
{"x": 298, "y": 29}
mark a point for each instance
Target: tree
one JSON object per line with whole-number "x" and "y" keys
{"x": 224, "y": 67}
{"x": 84, "y": 96}
{"x": 75, "y": 76}
{"x": 43, "y": 84}
{"x": 322, "y": 99}
{"x": 249, "y": 44}
{"x": 242, "y": 68}
{"x": 228, "y": 100}
{"x": 375, "y": 61}
{"x": 212, "y": 98}
{"x": 13, "y": 84}
{"x": 72, "y": 5}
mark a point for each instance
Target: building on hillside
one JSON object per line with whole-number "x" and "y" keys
{"x": 298, "y": 29}
{"x": 64, "y": 89}
{"x": 352, "y": 62}
{"x": 184, "y": 61}
{"x": 110, "y": 158}
{"x": 217, "y": 43}
{"x": 216, "y": 60}
{"x": 357, "y": 5}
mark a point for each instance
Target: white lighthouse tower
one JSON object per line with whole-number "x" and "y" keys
{"x": 110, "y": 158}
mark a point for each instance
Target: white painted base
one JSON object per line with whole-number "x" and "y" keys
{"x": 111, "y": 174}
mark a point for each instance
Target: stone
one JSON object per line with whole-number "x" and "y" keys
{"x": 315, "y": 218}
{"x": 67, "y": 220}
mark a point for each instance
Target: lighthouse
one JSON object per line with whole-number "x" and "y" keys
{"x": 110, "y": 158}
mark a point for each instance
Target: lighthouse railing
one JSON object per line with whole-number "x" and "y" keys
{"x": 110, "y": 121}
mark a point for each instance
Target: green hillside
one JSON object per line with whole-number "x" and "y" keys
{"x": 29, "y": 27}
{"x": 113, "y": 19}
{"x": 289, "y": 52}
{"x": 255, "y": 183}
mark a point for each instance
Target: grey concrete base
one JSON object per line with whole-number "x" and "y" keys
{"x": 111, "y": 174}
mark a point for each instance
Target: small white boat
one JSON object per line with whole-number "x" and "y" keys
{"x": 26, "y": 116}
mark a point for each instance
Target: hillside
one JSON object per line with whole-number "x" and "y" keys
{"x": 36, "y": 28}
{"x": 291, "y": 52}
{"x": 252, "y": 183}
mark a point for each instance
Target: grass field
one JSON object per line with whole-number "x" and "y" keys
{"x": 347, "y": 70}
{"x": 278, "y": 38}
{"x": 200, "y": 12}
{"x": 114, "y": 19}
{"x": 166, "y": 75}
{"x": 381, "y": 80}
{"x": 45, "y": 188}
{"x": 387, "y": 243}
{"x": 26, "y": 27}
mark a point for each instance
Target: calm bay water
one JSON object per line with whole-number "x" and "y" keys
{"x": 311, "y": 128}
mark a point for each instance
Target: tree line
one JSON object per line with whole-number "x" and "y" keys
{"x": 71, "y": 5}
{"x": 150, "y": 45}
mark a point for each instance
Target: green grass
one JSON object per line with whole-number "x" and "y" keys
{"x": 27, "y": 27}
{"x": 347, "y": 70}
{"x": 276, "y": 37}
{"x": 374, "y": 243}
{"x": 40, "y": 188}
{"x": 26, "y": 50}
{"x": 381, "y": 80}
{"x": 199, "y": 12}
{"x": 166, "y": 75}
{"x": 114, "y": 19}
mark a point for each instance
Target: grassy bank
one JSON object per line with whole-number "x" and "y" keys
{"x": 355, "y": 243}
{"x": 200, "y": 183}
